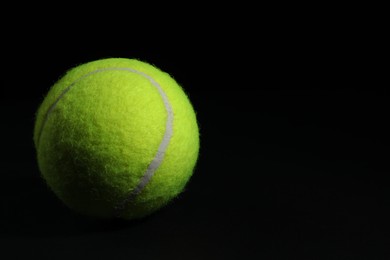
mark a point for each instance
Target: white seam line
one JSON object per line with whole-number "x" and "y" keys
{"x": 158, "y": 158}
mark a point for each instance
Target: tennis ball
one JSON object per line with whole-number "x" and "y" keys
{"x": 116, "y": 138}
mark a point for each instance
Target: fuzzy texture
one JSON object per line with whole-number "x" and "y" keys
{"x": 96, "y": 139}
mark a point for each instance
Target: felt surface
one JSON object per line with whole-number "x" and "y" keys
{"x": 96, "y": 143}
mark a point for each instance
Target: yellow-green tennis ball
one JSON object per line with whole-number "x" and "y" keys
{"x": 116, "y": 138}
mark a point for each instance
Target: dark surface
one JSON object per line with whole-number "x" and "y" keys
{"x": 293, "y": 162}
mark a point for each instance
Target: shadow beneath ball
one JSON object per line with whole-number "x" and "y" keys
{"x": 29, "y": 208}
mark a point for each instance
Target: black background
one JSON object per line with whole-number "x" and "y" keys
{"x": 294, "y": 152}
